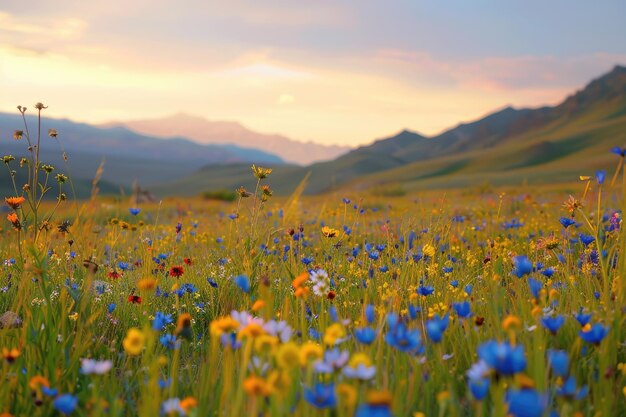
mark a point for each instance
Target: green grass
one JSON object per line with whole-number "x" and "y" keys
{"x": 65, "y": 319}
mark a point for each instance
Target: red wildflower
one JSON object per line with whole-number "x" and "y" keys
{"x": 135, "y": 299}
{"x": 114, "y": 274}
{"x": 187, "y": 261}
{"x": 176, "y": 271}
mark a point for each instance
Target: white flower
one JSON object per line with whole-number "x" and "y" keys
{"x": 244, "y": 318}
{"x": 361, "y": 371}
{"x": 478, "y": 371}
{"x": 279, "y": 329}
{"x": 320, "y": 282}
{"x": 317, "y": 276}
{"x": 171, "y": 406}
{"x": 92, "y": 366}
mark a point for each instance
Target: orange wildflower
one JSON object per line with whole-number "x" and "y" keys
{"x": 37, "y": 382}
{"x": 10, "y": 355}
{"x": 254, "y": 385}
{"x": 14, "y": 202}
{"x": 15, "y": 221}
{"x": 188, "y": 403}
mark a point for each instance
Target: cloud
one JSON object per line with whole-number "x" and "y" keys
{"x": 264, "y": 70}
{"x": 58, "y": 29}
{"x": 500, "y": 73}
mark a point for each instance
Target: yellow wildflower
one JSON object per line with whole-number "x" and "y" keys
{"x": 329, "y": 232}
{"x": 347, "y": 394}
{"x": 428, "y": 250}
{"x": 252, "y": 330}
{"x": 134, "y": 341}
{"x": 223, "y": 325}
{"x": 333, "y": 333}
{"x": 288, "y": 355}
{"x": 310, "y": 351}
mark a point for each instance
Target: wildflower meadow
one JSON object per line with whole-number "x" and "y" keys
{"x": 501, "y": 303}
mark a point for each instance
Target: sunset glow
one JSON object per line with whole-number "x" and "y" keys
{"x": 325, "y": 71}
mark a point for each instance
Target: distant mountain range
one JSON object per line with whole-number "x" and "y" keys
{"x": 510, "y": 146}
{"x": 128, "y": 155}
{"x": 216, "y": 132}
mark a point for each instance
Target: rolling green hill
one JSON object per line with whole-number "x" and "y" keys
{"x": 511, "y": 146}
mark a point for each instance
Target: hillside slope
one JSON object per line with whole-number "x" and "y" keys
{"x": 548, "y": 144}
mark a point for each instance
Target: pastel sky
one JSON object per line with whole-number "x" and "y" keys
{"x": 330, "y": 71}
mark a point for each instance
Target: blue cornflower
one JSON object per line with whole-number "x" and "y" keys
{"x": 522, "y": 266}
{"x": 111, "y": 307}
{"x": 535, "y": 287}
{"x": 436, "y": 326}
{"x": 332, "y": 311}
{"x": 321, "y": 395}
{"x": 165, "y": 383}
{"x": 586, "y": 239}
{"x": 161, "y": 320}
{"x": 600, "y": 176}
{"x": 568, "y": 389}
{"x": 412, "y": 237}
{"x": 619, "y": 151}
{"x": 373, "y": 410}
{"x": 567, "y": 222}
{"x": 134, "y": 211}
{"x": 212, "y": 282}
{"x": 559, "y": 362}
{"x": 595, "y": 334}
{"x": 65, "y": 403}
{"x": 49, "y": 392}
{"x": 374, "y": 255}
{"x": 404, "y": 339}
{"x": 463, "y": 310}
{"x": 393, "y": 320}
{"x": 553, "y": 323}
{"x": 479, "y": 388}
{"x": 169, "y": 341}
{"x": 425, "y": 290}
{"x": 582, "y": 318}
{"x": 525, "y": 403}
{"x": 503, "y": 358}
{"x": 243, "y": 283}
{"x": 370, "y": 313}
{"x": 477, "y": 379}
{"x": 365, "y": 335}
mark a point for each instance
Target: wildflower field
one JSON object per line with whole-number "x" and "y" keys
{"x": 434, "y": 304}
